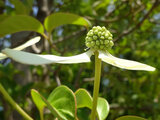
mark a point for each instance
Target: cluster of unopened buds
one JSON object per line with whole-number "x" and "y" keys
{"x": 99, "y": 38}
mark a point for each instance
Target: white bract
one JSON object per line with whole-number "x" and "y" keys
{"x": 98, "y": 39}
{"x": 23, "y": 46}
{"x": 35, "y": 59}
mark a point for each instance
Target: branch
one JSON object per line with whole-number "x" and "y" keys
{"x": 70, "y": 36}
{"x": 76, "y": 83}
{"x": 117, "y": 17}
{"x": 126, "y": 32}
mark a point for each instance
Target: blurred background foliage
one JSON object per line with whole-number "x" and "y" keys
{"x": 135, "y": 25}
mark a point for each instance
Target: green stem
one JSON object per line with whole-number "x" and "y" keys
{"x": 13, "y": 103}
{"x": 96, "y": 85}
{"x": 41, "y": 114}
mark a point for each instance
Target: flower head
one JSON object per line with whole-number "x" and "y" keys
{"x": 98, "y": 39}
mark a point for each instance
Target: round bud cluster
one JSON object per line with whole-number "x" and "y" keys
{"x": 99, "y": 38}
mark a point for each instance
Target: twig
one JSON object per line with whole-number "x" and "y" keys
{"x": 88, "y": 79}
{"x": 76, "y": 84}
{"x": 58, "y": 80}
{"x": 126, "y": 32}
{"x": 70, "y": 36}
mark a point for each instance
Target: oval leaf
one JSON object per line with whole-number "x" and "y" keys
{"x": 62, "y": 99}
{"x": 130, "y": 118}
{"x": 102, "y": 108}
{"x": 83, "y": 98}
{"x": 58, "y": 19}
{"x": 20, "y": 8}
{"x": 41, "y": 102}
{"x": 37, "y": 100}
{"x": 17, "y": 23}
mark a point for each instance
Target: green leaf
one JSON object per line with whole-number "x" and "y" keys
{"x": 3, "y": 17}
{"x": 130, "y": 118}
{"x": 58, "y": 19}
{"x": 17, "y": 23}
{"x": 38, "y": 100}
{"x": 62, "y": 99}
{"x": 20, "y": 8}
{"x": 102, "y": 108}
{"x": 83, "y": 98}
{"x": 38, "y": 97}
{"x": 61, "y": 102}
{"x": 101, "y": 4}
{"x": 29, "y": 4}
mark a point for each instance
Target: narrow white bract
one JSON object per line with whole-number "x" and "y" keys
{"x": 21, "y": 47}
{"x": 36, "y": 59}
{"x": 122, "y": 63}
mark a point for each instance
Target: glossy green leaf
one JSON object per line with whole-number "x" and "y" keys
{"x": 37, "y": 97}
{"x": 83, "y": 99}
{"x": 38, "y": 101}
{"x": 63, "y": 100}
{"x": 58, "y": 19}
{"x": 20, "y": 8}
{"x": 17, "y": 23}
{"x": 102, "y": 108}
{"x": 130, "y": 118}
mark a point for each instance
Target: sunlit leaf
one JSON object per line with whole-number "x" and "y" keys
{"x": 102, "y": 108}
{"x": 43, "y": 102}
{"x": 83, "y": 98}
{"x": 62, "y": 99}
{"x": 38, "y": 100}
{"x": 130, "y": 118}
{"x": 58, "y": 19}
{"x": 101, "y": 4}
{"x": 17, "y": 23}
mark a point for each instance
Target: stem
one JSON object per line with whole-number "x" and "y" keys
{"x": 13, "y": 103}
{"x": 45, "y": 36}
{"x": 41, "y": 114}
{"x": 96, "y": 85}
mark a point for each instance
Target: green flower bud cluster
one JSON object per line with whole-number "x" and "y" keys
{"x": 99, "y": 38}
